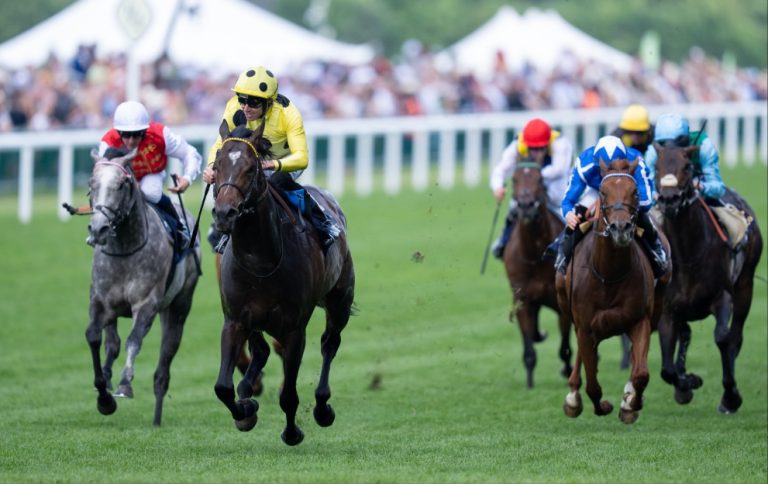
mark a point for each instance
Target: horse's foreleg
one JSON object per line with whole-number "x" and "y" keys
{"x": 588, "y": 350}
{"x": 251, "y": 385}
{"x": 111, "y": 351}
{"x": 293, "y": 350}
{"x": 573, "y": 405}
{"x": 243, "y": 411}
{"x": 526, "y": 314}
{"x": 686, "y": 381}
{"x": 142, "y": 322}
{"x": 105, "y": 403}
{"x": 667, "y": 342}
{"x": 728, "y": 342}
{"x": 632, "y": 402}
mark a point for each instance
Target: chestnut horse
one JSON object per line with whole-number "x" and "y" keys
{"x": 273, "y": 274}
{"x": 530, "y": 277}
{"x": 709, "y": 277}
{"x": 608, "y": 290}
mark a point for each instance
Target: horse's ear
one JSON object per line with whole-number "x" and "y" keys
{"x": 691, "y": 150}
{"x": 95, "y": 154}
{"x": 633, "y": 165}
{"x": 259, "y": 132}
{"x": 224, "y": 129}
{"x": 603, "y": 167}
{"x": 126, "y": 159}
{"x": 657, "y": 147}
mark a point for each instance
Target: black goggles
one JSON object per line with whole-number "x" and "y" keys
{"x": 251, "y": 102}
{"x": 132, "y": 134}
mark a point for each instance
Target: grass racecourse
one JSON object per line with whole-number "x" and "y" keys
{"x": 449, "y": 403}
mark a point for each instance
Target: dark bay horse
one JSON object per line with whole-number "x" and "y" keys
{"x": 609, "y": 290}
{"x": 273, "y": 275}
{"x": 132, "y": 262}
{"x": 709, "y": 277}
{"x": 530, "y": 277}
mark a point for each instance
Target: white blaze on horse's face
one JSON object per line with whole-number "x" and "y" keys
{"x": 668, "y": 181}
{"x": 234, "y": 156}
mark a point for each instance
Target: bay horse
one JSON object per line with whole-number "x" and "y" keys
{"x": 710, "y": 278}
{"x": 531, "y": 278}
{"x": 133, "y": 275}
{"x": 273, "y": 274}
{"x": 609, "y": 290}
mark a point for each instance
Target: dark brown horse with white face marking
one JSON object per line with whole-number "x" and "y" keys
{"x": 709, "y": 278}
{"x": 608, "y": 290}
{"x": 273, "y": 274}
{"x": 530, "y": 277}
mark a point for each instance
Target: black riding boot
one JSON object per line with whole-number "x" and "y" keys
{"x": 568, "y": 240}
{"x": 324, "y": 224}
{"x": 181, "y": 236}
{"x": 501, "y": 242}
{"x": 652, "y": 245}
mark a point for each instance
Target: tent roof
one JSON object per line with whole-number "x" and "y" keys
{"x": 213, "y": 34}
{"x": 537, "y": 37}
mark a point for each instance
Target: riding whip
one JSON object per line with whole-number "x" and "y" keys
{"x": 490, "y": 237}
{"x": 184, "y": 217}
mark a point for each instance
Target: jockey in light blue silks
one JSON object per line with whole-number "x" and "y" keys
{"x": 586, "y": 175}
{"x": 673, "y": 129}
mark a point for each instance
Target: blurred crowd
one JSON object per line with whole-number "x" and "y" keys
{"x": 83, "y": 92}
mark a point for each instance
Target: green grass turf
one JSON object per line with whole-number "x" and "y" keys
{"x": 451, "y": 406}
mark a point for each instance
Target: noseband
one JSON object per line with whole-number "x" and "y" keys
{"x": 244, "y": 206}
{"x": 619, "y": 206}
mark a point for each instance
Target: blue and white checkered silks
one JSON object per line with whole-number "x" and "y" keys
{"x": 670, "y": 126}
{"x": 610, "y": 148}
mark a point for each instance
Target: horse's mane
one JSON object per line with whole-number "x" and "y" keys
{"x": 263, "y": 146}
{"x": 112, "y": 152}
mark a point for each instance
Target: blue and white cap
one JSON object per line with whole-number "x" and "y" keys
{"x": 669, "y": 126}
{"x": 609, "y": 148}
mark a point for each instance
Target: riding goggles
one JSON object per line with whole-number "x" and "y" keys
{"x": 251, "y": 102}
{"x": 132, "y": 134}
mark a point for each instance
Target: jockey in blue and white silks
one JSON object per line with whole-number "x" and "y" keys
{"x": 671, "y": 128}
{"x": 586, "y": 174}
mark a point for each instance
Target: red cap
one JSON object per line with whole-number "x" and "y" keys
{"x": 537, "y": 133}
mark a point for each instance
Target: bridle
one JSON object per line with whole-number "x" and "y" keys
{"x": 535, "y": 166}
{"x": 115, "y": 217}
{"x": 247, "y": 204}
{"x": 688, "y": 194}
{"x": 618, "y": 206}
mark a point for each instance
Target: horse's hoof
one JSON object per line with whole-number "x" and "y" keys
{"x": 573, "y": 405}
{"x": 106, "y": 404}
{"x": 604, "y": 408}
{"x": 324, "y": 415}
{"x": 292, "y": 437}
{"x": 730, "y": 405}
{"x": 628, "y": 416}
{"x": 694, "y": 380}
{"x": 124, "y": 391}
{"x": 566, "y": 371}
{"x": 247, "y": 424}
{"x": 683, "y": 397}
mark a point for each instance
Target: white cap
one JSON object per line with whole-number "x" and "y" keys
{"x": 131, "y": 116}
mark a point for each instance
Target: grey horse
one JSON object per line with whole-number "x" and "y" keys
{"x": 132, "y": 261}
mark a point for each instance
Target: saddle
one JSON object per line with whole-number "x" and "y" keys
{"x": 735, "y": 221}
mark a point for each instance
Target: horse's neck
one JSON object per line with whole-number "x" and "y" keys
{"x": 132, "y": 232}
{"x": 610, "y": 261}
{"x": 688, "y": 231}
{"x": 534, "y": 235}
{"x": 258, "y": 234}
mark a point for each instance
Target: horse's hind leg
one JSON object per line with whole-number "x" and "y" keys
{"x": 337, "y": 312}
{"x": 730, "y": 345}
{"x": 293, "y": 350}
{"x": 565, "y": 345}
{"x": 172, "y": 324}
{"x": 142, "y": 322}
{"x": 105, "y": 403}
{"x": 573, "y": 405}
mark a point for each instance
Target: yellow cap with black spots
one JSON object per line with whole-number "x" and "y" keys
{"x": 258, "y": 81}
{"x": 635, "y": 118}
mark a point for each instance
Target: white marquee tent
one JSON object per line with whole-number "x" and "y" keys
{"x": 537, "y": 37}
{"x": 213, "y": 34}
